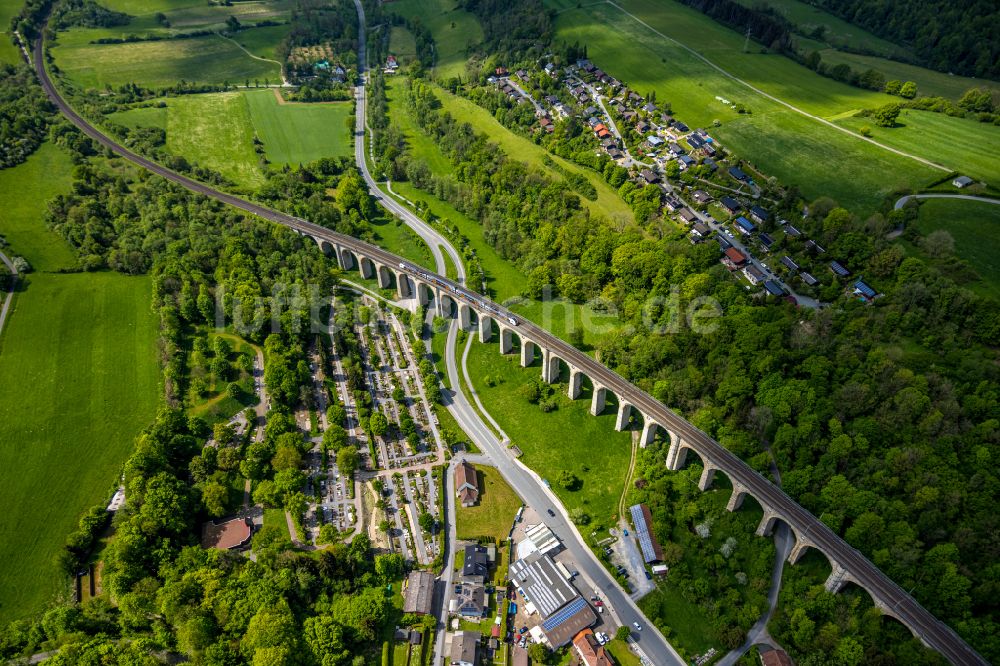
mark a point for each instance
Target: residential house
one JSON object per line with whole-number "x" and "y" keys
{"x": 629, "y": 116}
{"x": 700, "y": 231}
{"x": 765, "y": 241}
{"x": 591, "y": 111}
{"x": 642, "y": 127}
{"x": 545, "y": 123}
{"x": 687, "y": 215}
{"x": 709, "y": 162}
{"x": 550, "y": 69}
{"x": 476, "y": 565}
{"x": 649, "y": 176}
{"x": 709, "y": 150}
{"x": 866, "y": 293}
{"x": 468, "y": 600}
{"x": 733, "y": 258}
{"x": 681, "y": 127}
{"x": 962, "y": 181}
{"x": 760, "y": 215}
{"x": 701, "y": 196}
{"x": 686, "y": 162}
{"x": 591, "y": 652}
{"x": 521, "y": 74}
{"x": 466, "y": 484}
{"x": 695, "y": 141}
{"x": 774, "y": 288}
{"x": 501, "y": 71}
{"x": 676, "y": 149}
{"x": 792, "y": 231}
{"x": 770, "y": 656}
{"x": 754, "y": 274}
{"x": 672, "y": 203}
{"x": 465, "y": 648}
{"x": 808, "y": 279}
{"x": 789, "y": 263}
{"x": 838, "y": 269}
{"x": 654, "y": 140}
{"x": 614, "y": 153}
{"x": 649, "y": 107}
{"x": 391, "y": 63}
{"x": 724, "y": 243}
{"x": 738, "y": 174}
{"x": 744, "y": 226}
{"x": 731, "y": 205}
{"x": 666, "y": 119}
{"x": 814, "y": 247}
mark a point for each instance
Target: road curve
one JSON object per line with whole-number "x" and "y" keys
{"x": 932, "y": 631}
{"x": 968, "y": 197}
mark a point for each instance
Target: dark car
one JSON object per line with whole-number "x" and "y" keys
{"x": 552, "y": 513}
{"x": 648, "y": 576}
{"x": 524, "y": 630}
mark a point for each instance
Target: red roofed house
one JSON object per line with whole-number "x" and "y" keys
{"x": 591, "y": 652}
{"x": 734, "y": 258}
{"x": 771, "y": 657}
{"x": 229, "y": 535}
{"x": 466, "y": 484}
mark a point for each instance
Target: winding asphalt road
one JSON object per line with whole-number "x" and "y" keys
{"x": 968, "y": 197}
{"x": 931, "y": 630}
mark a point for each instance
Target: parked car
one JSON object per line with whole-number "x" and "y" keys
{"x": 637, "y": 626}
{"x": 552, "y": 513}
{"x": 648, "y": 576}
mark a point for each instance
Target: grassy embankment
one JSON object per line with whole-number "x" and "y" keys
{"x": 78, "y": 380}
{"x": 402, "y": 44}
{"x": 780, "y": 141}
{"x": 564, "y": 439}
{"x": 452, "y": 28}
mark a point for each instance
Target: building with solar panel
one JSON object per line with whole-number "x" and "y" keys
{"x": 564, "y": 613}
{"x": 643, "y": 523}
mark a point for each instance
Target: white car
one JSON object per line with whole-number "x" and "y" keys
{"x": 637, "y": 626}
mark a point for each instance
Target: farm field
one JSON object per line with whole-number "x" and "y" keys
{"x": 965, "y": 145}
{"x": 608, "y": 203}
{"x": 24, "y": 189}
{"x": 215, "y": 131}
{"x": 776, "y": 139}
{"x": 494, "y": 514}
{"x": 928, "y": 81}
{"x": 453, "y": 30}
{"x": 602, "y": 469}
{"x": 210, "y": 59}
{"x": 838, "y": 31}
{"x": 299, "y": 133}
{"x": 145, "y": 116}
{"x": 79, "y": 350}
{"x": 973, "y": 225}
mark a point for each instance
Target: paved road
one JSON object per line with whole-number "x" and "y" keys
{"x": 10, "y": 292}
{"x": 758, "y": 633}
{"x": 934, "y": 632}
{"x": 968, "y": 197}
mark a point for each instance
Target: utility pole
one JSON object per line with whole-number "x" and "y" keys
{"x": 746, "y": 42}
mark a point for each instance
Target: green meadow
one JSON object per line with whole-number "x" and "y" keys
{"x": 8, "y": 52}
{"x": 453, "y": 29}
{"x": 961, "y": 144}
{"x": 300, "y": 133}
{"x": 973, "y": 225}
{"x": 402, "y": 45}
{"x": 795, "y": 148}
{"x": 210, "y": 59}
{"x": 78, "y": 380}
{"x": 602, "y": 469}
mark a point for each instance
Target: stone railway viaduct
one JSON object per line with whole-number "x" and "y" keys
{"x": 637, "y": 409}
{"x": 634, "y": 406}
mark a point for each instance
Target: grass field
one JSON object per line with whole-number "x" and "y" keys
{"x": 402, "y": 44}
{"x": 838, "y": 31}
{"x": 494, "y": 514}
{"x": 588, "y": 446}
{"x": 24, "y": 189}
{"x": 8, "y": 52}
{"x": 299, "y": 133}
{"x": 453, "y": 29}
{"x": 78, "y": 380}
{"x": 962, "y": 144}
{"x": 928, "y": 81}
{"x": 778, "y": 140}
{"x": 622, "y": 655}
{"x": 215, "y": 131}
{"x": 973, "y": 225}
{"x": 209, "y": 59}
{"x": 147, "y": 116}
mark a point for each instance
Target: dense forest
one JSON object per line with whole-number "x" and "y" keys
{"x": 25, "y": 113}
{"x": 959, "y": 38}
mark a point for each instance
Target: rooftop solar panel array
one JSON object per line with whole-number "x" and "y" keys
{"x": 571, "y": 609}
{"x": 642, "y": 531}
